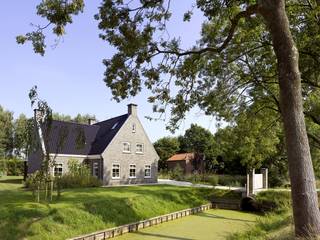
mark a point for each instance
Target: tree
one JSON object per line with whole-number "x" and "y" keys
{"x": 201, "y": 142}
{"x": 6, "y": 133}
{"x": 166, "y": 147}
{"x": 21, "y": 136}
{"x": 78, "y": 119}
{"x": 236, "y": 32}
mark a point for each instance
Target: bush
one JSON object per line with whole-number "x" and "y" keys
{"x": 78, "y": 176}
{"x": 176, "y": 173}
{"x": 11, "y": 167}
{"x": 267, "y": 201}
{"x": 232, "y": 180}
{"x": 213, "y": 180}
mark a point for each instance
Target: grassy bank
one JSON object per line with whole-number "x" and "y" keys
{"x": 276, "y": 224}
{"x": 81, "y": 211}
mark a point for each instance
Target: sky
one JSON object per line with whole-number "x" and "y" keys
{"x": 70, "y": 76}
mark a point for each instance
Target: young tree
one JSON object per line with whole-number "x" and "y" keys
{"x": 235, "y": 31}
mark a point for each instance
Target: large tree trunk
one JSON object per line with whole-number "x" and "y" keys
{"x": 303, "y": 189}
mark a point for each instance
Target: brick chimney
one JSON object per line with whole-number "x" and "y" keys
{"x": 132, "y": 109}
{"x": 38, "y": 115}
{"x": 91, "y": 121}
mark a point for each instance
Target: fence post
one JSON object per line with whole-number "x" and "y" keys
{"x": 264, "y": 172}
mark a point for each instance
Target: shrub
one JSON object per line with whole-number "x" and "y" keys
{"x": 267, "y": 201}
{"x": 176, "y": 173}
{"x": 78, "y": 176}
{"x": 11, "y": 167}
{"x": 213, "y": 180}
{"x": 232, "y": 180}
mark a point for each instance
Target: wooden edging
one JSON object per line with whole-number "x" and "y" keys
{"x": 133, "y": 227}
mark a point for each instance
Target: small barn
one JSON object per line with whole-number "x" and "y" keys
{"x": 188, "y": 162}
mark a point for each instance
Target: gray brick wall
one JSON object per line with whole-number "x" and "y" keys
{"x": 114, "y": 154}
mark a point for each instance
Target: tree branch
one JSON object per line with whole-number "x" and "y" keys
{"x": 234, "y": 23}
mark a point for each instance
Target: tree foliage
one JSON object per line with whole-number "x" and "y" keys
{"x": 166, "y": 147}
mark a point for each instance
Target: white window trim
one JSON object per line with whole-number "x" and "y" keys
{"x": 112, "y": 171}
{"x": 54, "y": 167}
{"x": 124, "y": 151}
{"x": 142, "y": 148}
{"x": 145, "y": 171}
{"x": 134, "y": 127}
{"x": 135, "y": 171}
{"x": 95, "y": 166}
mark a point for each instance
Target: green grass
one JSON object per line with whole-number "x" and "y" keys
{"x": 86, "y": 210}
{"x": 213, "y": 224}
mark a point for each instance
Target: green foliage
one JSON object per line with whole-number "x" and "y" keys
{"x": 176, "y": 173}
{"x": 78, "y": 176}
{"x": 201, "y": 142}
{"x": 79, "y": 118}
{"x": 59, "y": 13}
{"x": 277, "y": 217}
{"x": 166, "y": 147}
{"x": 11, "y": 166}
{"x": 6, "y": 133}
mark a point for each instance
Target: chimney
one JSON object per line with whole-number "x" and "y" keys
{"x": 38, "y": 115}
{"x": 132, "y": 109}
{"x": 91, "y": 121}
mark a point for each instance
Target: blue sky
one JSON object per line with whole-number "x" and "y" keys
{"x": 70, "y": 76}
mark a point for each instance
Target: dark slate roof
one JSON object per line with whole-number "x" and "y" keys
{"x": 82, "y": 139}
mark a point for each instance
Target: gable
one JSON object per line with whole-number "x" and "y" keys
{"x": 139, "y": 136}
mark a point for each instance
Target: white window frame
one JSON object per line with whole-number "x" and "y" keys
{"x": 113, "y": 167}
{"x": 95, "y": 166}
{"x": 58, "y": 166}
{"x": 134, "y": 127}
{"x": 147, "y": 167}
{"x": 123, "y": 147}
{"x": 140, "y": 152}
{"x": 131, "y": 167}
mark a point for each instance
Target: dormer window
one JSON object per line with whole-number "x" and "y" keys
{"x": 126, "y": 147}
{"x": 114, "y": 125}
{"x": 133, "y": 127}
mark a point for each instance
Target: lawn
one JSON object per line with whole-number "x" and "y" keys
{"x": 213, "y": 224}
{"x": 81, "y": 211}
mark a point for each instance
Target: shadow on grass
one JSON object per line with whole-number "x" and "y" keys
{"x": 209, "y": 215}
{"x": 11, "y": 181}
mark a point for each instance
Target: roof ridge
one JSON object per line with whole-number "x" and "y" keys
{"x": 71, "y": 122}
{"x": 111, "y": 118}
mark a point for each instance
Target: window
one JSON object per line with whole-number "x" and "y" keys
{"x": 96, "y": 169}
{"x": 126, "y": 147}
{"x": 133, "y": 127}
{"x": 115, "y": 171}
{"x": 114, "y": 125}
{"x": 57, "y": 169}
{"x": 147, "y": 171}
{"x": 132, "y": 171}
{"x": 139, "y": 148}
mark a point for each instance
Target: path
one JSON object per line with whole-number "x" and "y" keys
{"x": 189, "y": 184}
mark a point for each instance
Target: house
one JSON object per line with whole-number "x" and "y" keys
{"x": 188, "y": 162}
{"x": 117, "y": 150}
